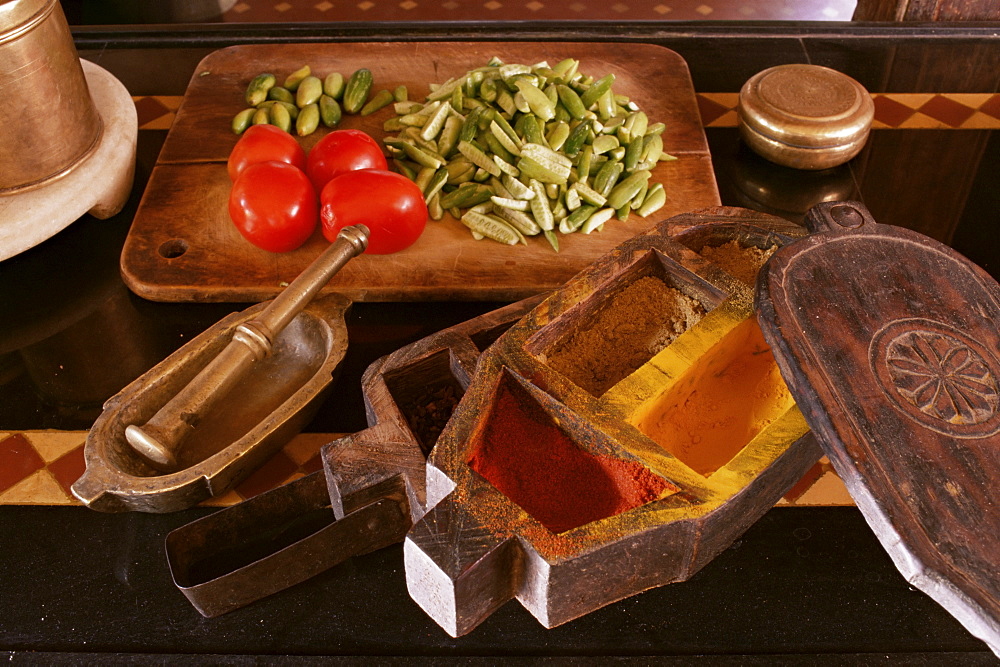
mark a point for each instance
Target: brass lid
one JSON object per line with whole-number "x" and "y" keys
{"x": 805, "y": 116}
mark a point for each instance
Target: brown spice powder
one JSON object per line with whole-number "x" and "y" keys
{"x": 639, "y": 321}
{"x": 741, "y": 262}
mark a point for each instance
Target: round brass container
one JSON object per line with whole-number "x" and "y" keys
{"x": 805, "y": 116}
{"x": 50, "y": 122}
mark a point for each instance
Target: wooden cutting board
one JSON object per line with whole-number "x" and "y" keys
{"x": 183, "y": 247}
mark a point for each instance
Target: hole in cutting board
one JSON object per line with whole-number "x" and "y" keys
{"x": 173, "y": 248}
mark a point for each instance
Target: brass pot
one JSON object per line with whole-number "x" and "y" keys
{"x": 805, "y": 116}
{"x": 50, "y": 123}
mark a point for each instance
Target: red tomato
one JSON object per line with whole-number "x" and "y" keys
{"x": 265, "y": 143}
{"x": 341, "y": 151}
{"x": 390, "y": 205}
{"x": 273, "y": 205}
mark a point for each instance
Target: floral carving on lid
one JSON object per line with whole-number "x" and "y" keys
{"x": 938, "y": 376}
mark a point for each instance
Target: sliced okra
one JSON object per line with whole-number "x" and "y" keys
{"x": 575, "y": 220}
{"x": 382, "y": 99}
{"x": 652, "y": 148}
{"x": 656, "y": 197}
{"x": 506, "y": 167}
{"x": 597, "y": 90}
{"x": 516, "y": 188}
{"x": 510, "y": 203}
{"x": 597, "y": 220}
{"x": 460, "y": 170}
{"x": 633, "y": 153}
{"x": 552, "y": 238}
{"x": 518, "y": 220}
{"x": 639, "y": 197}
{"x": 577, "y": 138}
{"x": 448, "y": 139}
{"x": 588, "y": 194}
{"x": 537, "y": 101}
{"x": 540, "y": 208}
{"x": 418, "y": 155}
{"x": 434, "y": 208}
{"x": 584, "y": 162}
{"x": 557, "y": 137}
{"x": 494, "y": 146}
{"x": 423, "y": 178}
{"x": 467, "y": 195}
{"x": 628, "y": 188}
{"x": 571, "y": 101}
{"x": 566, "y": 69}
{"x": 405, "y": 168}
{"x": 492, "y": 227}
{"x": 606, "y": 106}
{"x": 531, "y": 129}
{"x": 433, "y": 125}
{"x": 545, "y": 164}
{"x": 478, "y": 157}
{"x": 635, "y": 125}
{"x": 510, "y": 146}
{"x": 607, "y": 176}
{"x": 605, "y": 143}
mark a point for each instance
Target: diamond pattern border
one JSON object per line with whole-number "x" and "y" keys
{"x": 39, "y": 467}
{"x": 909, "y": 111}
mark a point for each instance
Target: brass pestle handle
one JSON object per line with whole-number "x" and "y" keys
{"x": 159, "y": 440}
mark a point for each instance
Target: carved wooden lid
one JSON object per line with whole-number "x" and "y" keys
{"x": 805, "y": 116}
{"x": 888, "y": 340}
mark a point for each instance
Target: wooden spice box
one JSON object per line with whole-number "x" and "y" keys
{"x": 600, "y": 451}
{"x": 559, "y": 481}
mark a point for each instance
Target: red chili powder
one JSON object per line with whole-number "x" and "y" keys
{"x": 536, "y": 465}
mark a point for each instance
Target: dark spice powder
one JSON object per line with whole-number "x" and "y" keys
{"x": 635, "y": 324}
{"x": 741, "y": 262}
{"x": 428, "y": 416}
{"x": 536, "y": 465}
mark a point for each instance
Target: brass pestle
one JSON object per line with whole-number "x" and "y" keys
{"x": 159, "y": 440}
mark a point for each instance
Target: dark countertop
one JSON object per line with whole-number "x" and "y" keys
{"x": 80, "y": 586}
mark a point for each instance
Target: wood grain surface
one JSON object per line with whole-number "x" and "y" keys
{"x": 183, "y": 247}
{"x": 888, "y": 340}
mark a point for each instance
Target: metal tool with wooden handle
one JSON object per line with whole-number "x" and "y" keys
{"x": 160, "y": 438}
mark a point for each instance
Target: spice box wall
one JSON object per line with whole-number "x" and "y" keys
{"x": 596, "y": 453}
{"x": 409, "y": 397}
